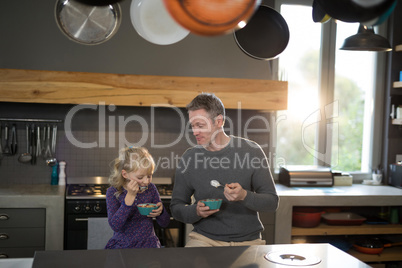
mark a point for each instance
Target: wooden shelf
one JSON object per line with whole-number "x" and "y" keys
{"x": 398, "y": 48}
{"x": 388, "y": 254}
{"x": 138, "y": 90}
{"x": 364, "y": 229}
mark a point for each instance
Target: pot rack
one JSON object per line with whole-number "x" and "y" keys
{"x": 32, "y": 120}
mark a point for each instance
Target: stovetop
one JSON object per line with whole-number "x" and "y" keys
{"x": 96, "y": 187}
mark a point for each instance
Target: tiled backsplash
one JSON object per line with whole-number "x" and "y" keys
{"x": 110, "y": 127}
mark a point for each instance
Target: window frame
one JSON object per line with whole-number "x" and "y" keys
{"x": 326, "y": 91}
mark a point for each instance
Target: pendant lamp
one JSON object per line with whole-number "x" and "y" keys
{"x": 366, "y": 40}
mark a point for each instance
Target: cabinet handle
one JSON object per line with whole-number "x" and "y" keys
{"x": 81, "y": 219}
{"x": 3, "y": 255}
{"x": 4, "y": 217}
{"x": 4, "y": 236}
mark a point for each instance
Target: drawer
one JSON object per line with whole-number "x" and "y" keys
{"x": 19, "y": 252}
{"x": 22, "y": 237}
{"x": 22, "y": 217}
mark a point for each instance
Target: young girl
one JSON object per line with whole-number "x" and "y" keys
{"x": 131, "y": 185}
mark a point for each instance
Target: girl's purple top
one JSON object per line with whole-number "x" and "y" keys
{"x": 131, "y": 229}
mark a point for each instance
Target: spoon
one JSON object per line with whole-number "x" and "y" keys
{"x": 216, "y": 184}
{"x": 26, "y": 157}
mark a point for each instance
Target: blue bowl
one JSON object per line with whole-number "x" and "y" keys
{"x": 146, "y": 208}
{"x": 212, "y": 203}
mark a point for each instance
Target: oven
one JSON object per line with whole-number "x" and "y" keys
{"x": 86, "y": 197}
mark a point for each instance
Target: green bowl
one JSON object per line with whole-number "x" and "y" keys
{"x": 212, "y": 203}
{"x": 146, "y": 208}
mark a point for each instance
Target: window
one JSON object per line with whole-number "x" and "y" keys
{"x": 330, "y": 113}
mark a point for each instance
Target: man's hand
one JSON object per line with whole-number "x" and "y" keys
{"x": 234, "y": 192}
{"x": 204, "y": 211}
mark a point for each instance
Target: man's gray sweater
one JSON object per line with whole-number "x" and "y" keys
{"x": 241, "y": 161}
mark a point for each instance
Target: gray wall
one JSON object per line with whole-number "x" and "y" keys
{"x": 31, "y": 39}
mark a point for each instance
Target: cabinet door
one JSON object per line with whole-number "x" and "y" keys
{"x": 22, "y": 217}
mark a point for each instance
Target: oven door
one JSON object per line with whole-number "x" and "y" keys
{"x": 76, "y": 235}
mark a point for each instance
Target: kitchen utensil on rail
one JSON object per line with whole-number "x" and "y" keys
{"x": 211, "y": 17}
{"x": 153, "y": 22}
{"x": 51, "y": 160}
{"x": 34, "y": 145}
{"x": 265, "y": 36}
{"x": 87, "y": 24}
{"x": 216, "y": 184}
{"x": 6, "y": 150}
{"x": 54, "y": 137}
{"x": 38, "y": 145}
{"x": 14, "y": 142}
{"x": 373, "y": 245}
{"x": 26, "y": 157}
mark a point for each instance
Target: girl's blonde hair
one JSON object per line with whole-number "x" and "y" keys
{"x": 130, "y": 159}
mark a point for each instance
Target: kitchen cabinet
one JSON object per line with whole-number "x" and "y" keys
{"x": 43, "y": 197}
{"x": 388, "y": 254}
{"x": 354, "y": 197}
{"x": 22, "y": 231}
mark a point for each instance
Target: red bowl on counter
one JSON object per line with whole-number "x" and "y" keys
{"x": 306, "y": 217}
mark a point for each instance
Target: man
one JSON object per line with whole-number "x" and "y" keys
{"x": 237, "y": 163}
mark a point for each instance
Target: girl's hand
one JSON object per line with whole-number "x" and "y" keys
{"x": 156, "y": 212}
{"x": 132, "y": 187}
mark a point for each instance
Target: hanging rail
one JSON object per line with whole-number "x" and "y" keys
{"x": 32, "y": 120}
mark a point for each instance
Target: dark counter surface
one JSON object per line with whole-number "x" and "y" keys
{"x": 220, "y": 257}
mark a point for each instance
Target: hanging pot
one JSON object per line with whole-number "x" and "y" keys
{"x": 152, "y": 22}
{"x": 319, "y": 14}
{"x": 85, "y": 24}
{"x": 265, "y": 36}
{"x": 211, "y": 17}
{"x": 354, "y": 11}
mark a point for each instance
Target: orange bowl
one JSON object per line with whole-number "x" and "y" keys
{"x": 211, "y": 17}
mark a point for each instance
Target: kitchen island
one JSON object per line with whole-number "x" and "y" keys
{"x": 40, "y": 196}
{"x": 320, "y": 255}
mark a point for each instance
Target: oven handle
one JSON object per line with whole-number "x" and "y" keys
{"x": 81, "y": 219}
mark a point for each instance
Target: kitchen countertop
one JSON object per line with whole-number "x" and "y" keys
{"x": 251, "y": 256}
{"x": 355, "y": 195}
{"x": 50, "y": 197}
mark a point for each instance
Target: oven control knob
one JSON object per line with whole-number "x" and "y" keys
{"x": 87, "y": 208}
{"x": 77, "y": 208}
{"x": 97, "y": 208}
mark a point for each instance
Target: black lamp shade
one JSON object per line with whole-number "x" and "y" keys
{"x": 366, "y": 40}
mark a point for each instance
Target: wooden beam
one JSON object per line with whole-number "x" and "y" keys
{"x": 36, "y": 86}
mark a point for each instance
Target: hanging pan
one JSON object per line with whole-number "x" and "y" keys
{"x": 211, "y": 17}
{"x": 152, "y": 21}
{"x": 355, "y": 10}
{"x": 265, "y": 36}
{"x": 87, "y": 24}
